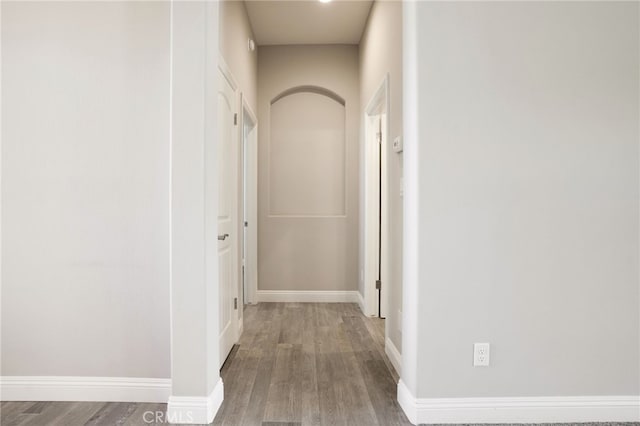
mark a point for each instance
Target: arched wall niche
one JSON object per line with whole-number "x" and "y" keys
{"x": 307, "y": 154}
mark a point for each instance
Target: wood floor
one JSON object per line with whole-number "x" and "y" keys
{"x": 295, "y": 364}
{"x": 310, "y": 364}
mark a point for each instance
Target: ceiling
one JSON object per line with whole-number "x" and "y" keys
{"x": 308, "y": 21}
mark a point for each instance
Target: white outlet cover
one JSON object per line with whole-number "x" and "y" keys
{"x": 481, "y": 354}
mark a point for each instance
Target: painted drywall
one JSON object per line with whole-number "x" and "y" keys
{"x": 85, "y": 189}
{"x": 305, "y": 250}
{"x": 381, "y": 54}
{"x": 527, "y": 130}
{"x": 195, "y": 303}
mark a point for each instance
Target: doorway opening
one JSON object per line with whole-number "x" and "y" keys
{"x": 376, "y": 235}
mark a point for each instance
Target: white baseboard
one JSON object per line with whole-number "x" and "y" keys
{"x": 361, "y": 302}
{"x": 73, "y": 388}
{"x": 194, "y": 409}
{"x": 307, "y": 296}
{"x": 559, "y": 409}
{"x": 394, "y": 355}
{"x": 408, "y": 402}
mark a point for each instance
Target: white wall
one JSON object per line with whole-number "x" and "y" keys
{"x": 85, "y": 189}
{"x": 196, "y": 387}
{"x": 381, "y": 53}
{"x": 309, "y": 250}
{"x": 527, "y": 124}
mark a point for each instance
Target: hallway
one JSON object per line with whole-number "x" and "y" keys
{"x": 309, "y": 364}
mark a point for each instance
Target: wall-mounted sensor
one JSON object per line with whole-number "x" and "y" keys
{"x": 397, "y": 144}
{"x": 252, "y": 45}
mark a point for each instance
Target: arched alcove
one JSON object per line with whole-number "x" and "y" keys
{"x": 307, "y": 153}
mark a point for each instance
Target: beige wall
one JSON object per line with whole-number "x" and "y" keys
{"x": 528, "y": 198}
{"x": 303, "y": 249}
{"x": 306, "y": 158}
{"x": 381, "y": 53}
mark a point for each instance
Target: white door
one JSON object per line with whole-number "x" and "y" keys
{"x": 227, "y": 216}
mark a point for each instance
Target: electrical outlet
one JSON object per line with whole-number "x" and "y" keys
{"x": 481, "y": 354}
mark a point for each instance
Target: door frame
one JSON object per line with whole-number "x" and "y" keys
{"x": 249, "y": 202}
{"x": 378, "y": 106}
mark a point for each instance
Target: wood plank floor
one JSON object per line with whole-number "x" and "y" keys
{"x": 310, "y": 364}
